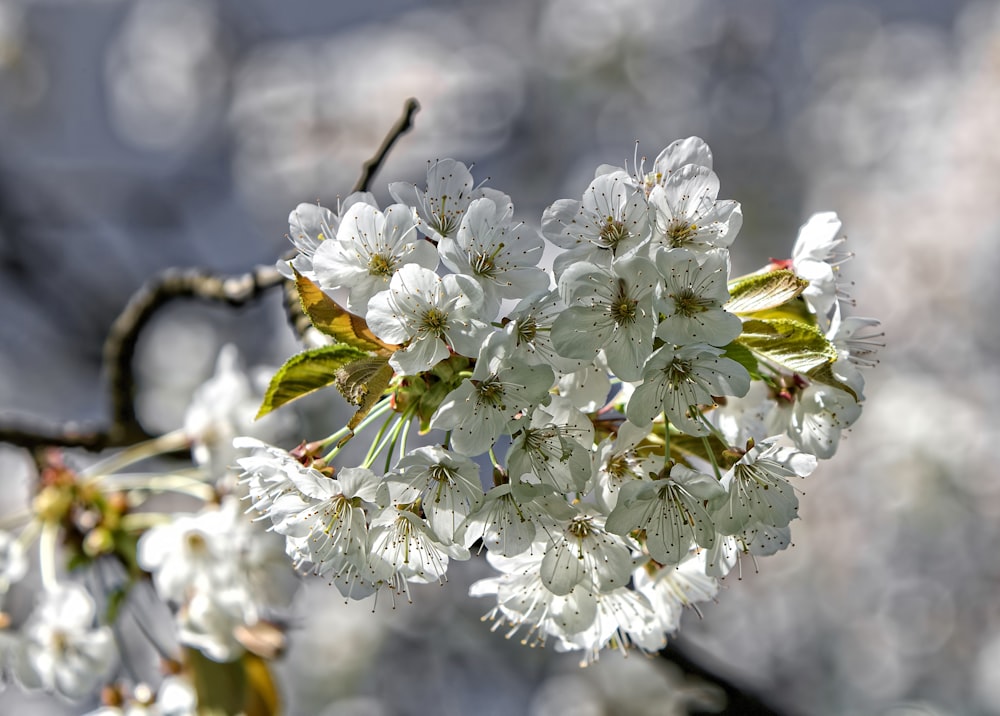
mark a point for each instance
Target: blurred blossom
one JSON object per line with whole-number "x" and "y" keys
{"x": 615, "y": 684}
{"x": 175, "y": 355}
{"x": 307, "y": 114}
{"x": 165, "y": 73}
{"x": 985, "y": 683}
{"x": 23, "y": 75}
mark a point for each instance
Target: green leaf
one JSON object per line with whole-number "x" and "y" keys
{"x": 307, "y": 372}
{"x": 362, "y": 384}
{"x": 244, "y": 686}
{"x": 761, "y": 291}
{"x": 796, "y": 310}
{"x": 794, "y": 345}
{"x": 220, "y": 686}
{"x": 824, "y": 374}
{"x": 329, "y": 318}
{"x": 742, "y": 355}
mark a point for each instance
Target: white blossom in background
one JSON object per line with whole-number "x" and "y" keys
{"x": 221, "y": 572}
{"x": 60, "y": 649}
{"x": 224, "y": 407}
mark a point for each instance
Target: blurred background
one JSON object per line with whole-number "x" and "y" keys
{"x": 139, "y": 135}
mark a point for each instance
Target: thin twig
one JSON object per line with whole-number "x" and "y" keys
{"x": 123, "y": 337}
{"x": 401, "y": 127}
{"x": 293, "y": 309}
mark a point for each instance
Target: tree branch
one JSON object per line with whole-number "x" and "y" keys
{"x": 119, "y": 352}
{"x": 401, "y": 127}
{"x": 123, "y": 337}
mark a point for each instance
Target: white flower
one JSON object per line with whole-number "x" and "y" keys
{"x": 447, "y": 485}
{"x": 309, "y": 225}
{"x": 501, "y": 257}
{"x": 370, "y": 247}
{"x": 621, "y": 617}
{"x": 324, "y": 519}
{"x": 670, "y": 512}
{"x": 223, "y": 407}
{"x": 524, "y": 600}
{"x": 587, "y": 387}
{"x": 610, "y": 309}
{"x": 583, "y": 552}
{"x": 507, "y": 518}
{"x": 815, "y": 258}
{"x": 691, "y": 297}
{"x": 677, "y": 154}
{"x": 554, "y": 447}
{"x": 675, "y": 382}
{"x": 479, "y": 410}
{"x": 857, "y": 346}
{"x": 818, "y": 415}
{"x": 268, "y": 473}
{"x": 687, "y": 214}
{"x": 618, "y": 463}
{"x": 60, "y": 650}
{"x": 528, "y": 328}
{"x": 328, "y": 515}
{"x": 612, "y": 220}
{"x": 448, "y": 194}
{"x": 402, "y": 549}
{"x": 757, "y": 488}
{"x": 430, "y": 315}
{"x": 670, "y": 589}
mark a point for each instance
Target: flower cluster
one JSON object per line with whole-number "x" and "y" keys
{"x": 640, "y": 416}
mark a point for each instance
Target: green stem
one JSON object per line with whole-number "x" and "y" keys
{"x": 384, "y": 438}
{"x": 711, "y": 457}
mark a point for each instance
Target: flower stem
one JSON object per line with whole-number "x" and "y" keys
{"x": 170, "y": 442}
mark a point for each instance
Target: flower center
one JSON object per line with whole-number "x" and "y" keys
{"x": 382, "y": 265}
{"x": 580, "y": 527}
{"x": 688, "y": 303}
{"x": 680, "y": 233}
{"x": 526, "y": 330}
{"x": 484, "y": 264}
{"x": 490, "y": 391}
{"x": 441, "y": 473}
{"x": 435, "y": 321}
{"x": 613, "y": 232}
{"x": 623, "y": 307}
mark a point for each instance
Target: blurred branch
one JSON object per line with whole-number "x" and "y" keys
{"x": 120, "y": 345}
{"x": 123, "y": 337}
{"x": 695, "y": 662}
{"x": 119, "y": 353}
